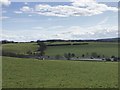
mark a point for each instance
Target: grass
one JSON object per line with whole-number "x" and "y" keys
{"x": 107, "y": 49}
{"x": 101, "y": 48}
{"x": 21, "y": 48}
{"x": 32, "y": 73}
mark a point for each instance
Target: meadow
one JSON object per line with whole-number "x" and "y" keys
{"x": 33, "y": 73}
{"x": 102, "y": 48}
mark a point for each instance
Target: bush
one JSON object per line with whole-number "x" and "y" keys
{"x": 108, "y": 59}
{"x": 83, "y": 55}
{"x": 68, "y": 56}
{"x": 112, "y": 56}
{"x": 73, "y": 55}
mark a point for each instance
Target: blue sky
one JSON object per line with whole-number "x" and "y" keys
{"x": 59, "y": 20}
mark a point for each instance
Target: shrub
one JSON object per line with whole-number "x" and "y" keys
{"x": 83, "y": 55}
{"x": 68, "y": 56}
{"x": 108, "y": 59}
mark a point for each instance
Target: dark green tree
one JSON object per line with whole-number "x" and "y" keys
{"x": 83, "y": 55}
{"x": 73, "y": 55}
{"x": 41, "y": 49}
{"x": 68, "y": 56}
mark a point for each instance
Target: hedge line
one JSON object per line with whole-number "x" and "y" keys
{"x": 67, "y": 44}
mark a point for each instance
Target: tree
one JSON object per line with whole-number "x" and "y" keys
{"x": 6, "y": 41}
{"x": 68, "y": 56}
{"x": 42, "y": 47}
{"x": 73, "y": 55}
{"x": 112, "y": 56}
{"x": 83, "y": 55}
{"x": 108, "y": 59}
{"x": 98, "y": 56}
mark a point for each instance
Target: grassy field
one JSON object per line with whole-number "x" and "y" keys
{"x": 107, "y": 49}
{"x": 31, "y": 73}
{"x": 21, "y": 48}
{"x": 101, "y": 48}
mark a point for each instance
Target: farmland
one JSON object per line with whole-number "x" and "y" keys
{"x": 102, "y": 48}
{"x": 32, "y": 73}
{"x": 35, "y": 73}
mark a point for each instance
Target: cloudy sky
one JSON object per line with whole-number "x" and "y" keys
{"x": 77, "y": 19}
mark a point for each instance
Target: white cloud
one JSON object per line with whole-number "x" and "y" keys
{"x": 73, "y": 32}
{"x": 77, "y": 8}
{"x": 25, "y": 35}
{"x": 26, "y": 9}
{"x": 5, "y": 2}
{"x": 65, "y": 11}
{"x": 93, "y": 32}
{"x": 82, "y": 2}
{"x": 18, "y": 12}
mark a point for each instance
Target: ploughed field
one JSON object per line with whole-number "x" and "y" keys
{"x": 33, "y": 73}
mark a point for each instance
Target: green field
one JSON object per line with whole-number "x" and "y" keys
{"x": 102, "y": 48}
{"x": 21, "y": 48}
{"x": 31, "y": 73}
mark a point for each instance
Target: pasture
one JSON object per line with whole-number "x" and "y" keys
{"x": 102, "y": 48}
{"x": 32, "y": 73}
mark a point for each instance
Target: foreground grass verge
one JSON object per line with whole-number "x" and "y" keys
{"x": 29, "y": 73}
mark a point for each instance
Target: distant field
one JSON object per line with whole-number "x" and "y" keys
{"x": 101, "y": 48}
{"x": 107, "y": 49}
{"x": 21, "y": 48}
{"x": 31, "y": 73}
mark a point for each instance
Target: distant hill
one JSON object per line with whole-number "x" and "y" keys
{"x": 87, "y": 40}
{"x": 61, "y": 40}
{"x": 109, "y": 40}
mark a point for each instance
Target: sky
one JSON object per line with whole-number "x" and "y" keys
{"x": 77, "y": 19}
